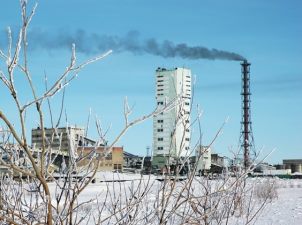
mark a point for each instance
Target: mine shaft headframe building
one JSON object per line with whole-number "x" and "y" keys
{"x": 171, "y": 129}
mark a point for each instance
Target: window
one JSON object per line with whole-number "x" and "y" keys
{"x": 160, "y": 76}
{"x": 160, "y": 148}
{"x": 187, "y": 103}
{"x": 187, "y": 148}
{"x": 160, "y": 89}
{"x": 117, "y": 166}
{"x": 160, "y": 121}
{"x": 160, "y": 139}
{"x": 187, "y": 121}
{"x": 160, "y": 81}
{"x": 187, "y": 139}
{"x": 160, "y": 130}
{"x": 160, "y": 103}
{"x": 187, "y": 112}
{"x": 187, "y": 130}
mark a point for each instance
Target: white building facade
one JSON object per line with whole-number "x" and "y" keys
{"x": 171, "y": 129}
{"x": 203, "y": 159}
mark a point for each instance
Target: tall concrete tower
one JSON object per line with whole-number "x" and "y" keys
{"x": 171, "y": 129}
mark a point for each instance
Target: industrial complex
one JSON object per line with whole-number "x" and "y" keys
{"x": 172, "y": 150}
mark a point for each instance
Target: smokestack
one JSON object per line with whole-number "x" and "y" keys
{"x": 94, "y": 43}
{"x": 247, "y": 139}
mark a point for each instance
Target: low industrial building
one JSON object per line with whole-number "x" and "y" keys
{"x": 59, "y": 140}
{"x": 217, "y": 163}
{"x": 62, "y": 142}
{"x": 263, "y": 167}
{"x": 294, "y": 164}
{"x": 107, "y": 159}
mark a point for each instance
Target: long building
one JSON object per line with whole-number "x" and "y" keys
{"x": 112, "y": 161}
{"x": 62, "y": 142}
{"x": 59, "y": 140}
{"x": 171, "y": 129}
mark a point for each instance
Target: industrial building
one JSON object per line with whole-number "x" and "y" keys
{"x": 107, "y": 159}
{"x": 62, "y": 141}
{"x": 203, "y": 159}
{"x": 294, "y": 164}
{"x": 66, "y": 142}
{"x": 171, "y": 129}
{"x": 217, "y": 163}
{"x": 59, "y": 140}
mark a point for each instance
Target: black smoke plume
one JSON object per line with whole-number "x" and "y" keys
{"x": 95, "y": 43}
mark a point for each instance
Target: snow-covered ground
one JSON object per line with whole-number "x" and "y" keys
{"x": 141, "y": 199}
{"x": 287, "y": 209}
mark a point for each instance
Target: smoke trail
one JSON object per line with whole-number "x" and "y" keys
{"x": 95, "y": 43}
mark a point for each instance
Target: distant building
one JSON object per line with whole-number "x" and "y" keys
{"x": 294, "y": 164}
{"x": 264, "y": 167}
{"x": 62, "y": 141}
{"x": 135, "y": 163}
{"x": 171, "y": 129}
{"x": 112, "y": 161}
{"x": 203, "y": 159}
{"x": 132, "y": 161}
{"x": 217, "y": 163}
{"x": 278, "y": 173}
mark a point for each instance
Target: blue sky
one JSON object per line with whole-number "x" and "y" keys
{"x": 267, "y": 33}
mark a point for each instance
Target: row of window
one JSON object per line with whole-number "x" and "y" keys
{"x": 162, "y": 148}
{"x": 162, "y": 139}
{"x": 162, "y": 130}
